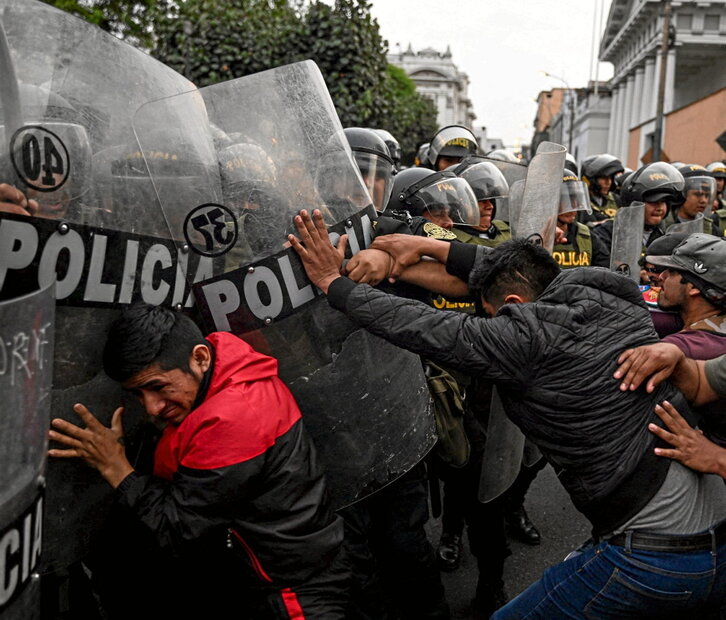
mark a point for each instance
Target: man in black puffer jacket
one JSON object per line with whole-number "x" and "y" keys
{"x": 551, "y": 348}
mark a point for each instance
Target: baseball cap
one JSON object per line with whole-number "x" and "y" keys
{"x": 701, "y": 255}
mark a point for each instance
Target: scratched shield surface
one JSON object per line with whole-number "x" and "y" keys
{"x": 67, "y": 94}
{"x": 268, "y": 145}
{"x": 26, "y": 372}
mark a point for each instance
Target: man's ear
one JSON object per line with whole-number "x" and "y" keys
{"x": 514, "y": 299}
{"x": 201, "y": 357}
{"x": 692, "y": 290}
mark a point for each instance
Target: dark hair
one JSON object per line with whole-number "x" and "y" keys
{"x": 517, "y": 267}
{"x": 144, "y": 335}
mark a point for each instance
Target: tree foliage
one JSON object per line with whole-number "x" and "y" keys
{"x": 131, "y": 20}
{"x": 210, "y": 41}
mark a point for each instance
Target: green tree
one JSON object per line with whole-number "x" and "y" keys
{"x": 214, "y": 40}
{"x": 130, "y": 20}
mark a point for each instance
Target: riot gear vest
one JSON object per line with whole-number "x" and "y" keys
{"x": 578, "y": 251}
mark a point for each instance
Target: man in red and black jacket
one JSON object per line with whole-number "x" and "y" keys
{"x": 236, "y": 497}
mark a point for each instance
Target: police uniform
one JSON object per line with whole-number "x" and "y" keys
{"x": 708, "y": 224}
{"x": 600, "y": 212}
{"x": 582, "y": 249}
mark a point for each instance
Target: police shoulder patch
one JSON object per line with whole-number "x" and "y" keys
{"x": 435, "y": 231}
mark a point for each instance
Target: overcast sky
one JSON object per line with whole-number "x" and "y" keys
{"x": 503, "y": 45}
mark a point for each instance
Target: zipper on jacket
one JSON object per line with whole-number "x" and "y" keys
{"x": 257, "y": 567}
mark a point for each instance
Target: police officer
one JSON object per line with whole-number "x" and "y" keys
{"x": 718, "y": 215}
{"x": 394, "y": 148}
{"x": 598, "y": 171}
{"x": 389, "y": 525}
{"x": 697, "y": 200}
{"x": 579, "y": 248}
{"x": 449, "y": 146}
{"x": 658, "y": 185}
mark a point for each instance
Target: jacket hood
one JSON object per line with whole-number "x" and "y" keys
{"x": 235, "y": 361}
{"x": 600, "y": 282}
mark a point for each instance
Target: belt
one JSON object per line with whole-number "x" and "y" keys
{"x": 671, "y": 542}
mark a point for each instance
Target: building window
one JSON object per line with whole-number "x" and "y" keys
{"x": 711, "y": 23}
{"x": 684, "y": 21}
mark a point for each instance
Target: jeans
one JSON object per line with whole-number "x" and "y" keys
{"x": 609, "y": 581}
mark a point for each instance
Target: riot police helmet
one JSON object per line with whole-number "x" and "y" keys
{"x": 717, "y": 169}
{"x": 394, "y": 148}
{"x": 598, "y": 166}
{"x": 374, "y": 162}
{"x": 428, "y": 194}
{"x": 453, "y": 142}
{"x": 573, "y": 194}
{"x": 654, "y": 182}
{"x": 571, "y": 164}
{"x": 422, "y": 155}
{"x": 700, "y": 185}
{"x": 503, "y": 155}
{"x": 620, "y": 177}
{"x": 485, "y": 179}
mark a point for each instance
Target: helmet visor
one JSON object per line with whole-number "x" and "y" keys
{"x": 454, "y": 196}
{"x": 452, "y": 142}
{"x": 377, "y": 175}
{"x": 486, "y": 180}
{"x": 574, "y": 197}
{"x": 701, "y": 189}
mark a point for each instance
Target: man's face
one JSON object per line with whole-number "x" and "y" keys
{"x": 567, "y": 218}
{"x": 439, "y": 215}
{"x": 443, "y": 162}
{"x": 604, "y": 184}
{"x": 673, "y": 293}
{"x": 720, "y": 182}
{"x": 696, "y": 202}
{"x": 486, "y": 209}
{"x": 167, "y": 394}
{"x": 654, "y": 212}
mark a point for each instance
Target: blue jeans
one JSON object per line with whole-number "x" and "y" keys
{"x": 609, "y": 581}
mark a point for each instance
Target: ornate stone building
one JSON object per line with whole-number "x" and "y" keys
{"x": 438, "y": 78}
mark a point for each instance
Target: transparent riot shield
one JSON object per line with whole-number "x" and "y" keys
{"x": 627, "y": 243}
{"x": 502, "y": 455}
{"x": 272, "y": 144}
{"x": 541, "y": 198}
{"x": 514, "y": 204}
{"x": 512, "y": 172}
{"x": 26, "y": 372}
{"x": 696, "y": 225}
{"x": 65, "y": 123}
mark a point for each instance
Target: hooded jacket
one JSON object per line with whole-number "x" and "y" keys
{"x": 553, "y": 361}
{"x": 237, "y": 482}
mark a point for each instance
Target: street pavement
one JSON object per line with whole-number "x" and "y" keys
{"x": 562, "y": 527}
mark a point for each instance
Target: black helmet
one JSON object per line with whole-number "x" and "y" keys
{"x": 374, "y": 162}
{"x": 451, "y": 141}
{"x": 717, "y": 169}
{"x": 697, "y": 178}
{"x": 620, "y": 177}
{"x": 418, "y": 190}
{"x": 485, "y": 178}
{"x": 653, "y": 183}
{"x": 604, "y": 165}
{"x": 571, "y": 164}
{"x": 422, "y": 155}
{"x": 394, "y": 148}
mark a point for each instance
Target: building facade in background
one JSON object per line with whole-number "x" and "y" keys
{"x": 439, "y": 79}
{"x": 695, "y": 80}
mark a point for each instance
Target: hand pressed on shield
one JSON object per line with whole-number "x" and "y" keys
{"x": 322, "y": 261}
{"x": 99, "y": 446}
{"x": 655, "y": 362}
{"x": 12, "y": 200}
{"x": 690, "y": 446}
{"x": 408, "y": 250}
{"x": 369, "y": 266}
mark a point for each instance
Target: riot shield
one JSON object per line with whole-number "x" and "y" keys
{"x": 26, "y": 371}
{"x": 541, "y": 199}
{"x": 627, "y": 243}
{"x": 512, "y": 172}
{"x": 695, "y": 225}
{"x": 514, "y": 204}
{"x": 274, "y": 145}
{"x": 100, "y": 232}
{"x": 503, "y": 453}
